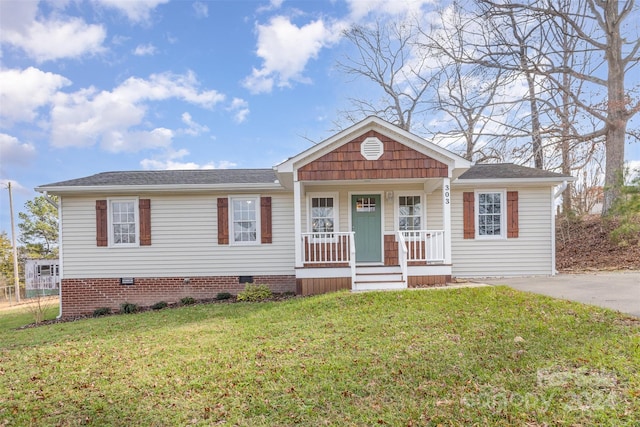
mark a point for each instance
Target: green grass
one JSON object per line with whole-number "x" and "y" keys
{"x": 482, "y": 356}
{"x": 20, "y": 316}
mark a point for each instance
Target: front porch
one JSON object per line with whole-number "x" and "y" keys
{"x": 372, "y": 210}
{"x": 412, "y": 258}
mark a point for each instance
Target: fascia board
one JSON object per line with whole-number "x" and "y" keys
{"x": 510, "y": 181}
{"x": 451, "y": 158}
{"x": 80, "y": 189}
{"x": 321, "y": 148}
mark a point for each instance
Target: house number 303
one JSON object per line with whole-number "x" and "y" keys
{"x": 446, "y": 194}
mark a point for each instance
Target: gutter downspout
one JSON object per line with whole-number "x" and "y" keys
{"x": 49, "y": 200}
{"x": 563, "y": 187}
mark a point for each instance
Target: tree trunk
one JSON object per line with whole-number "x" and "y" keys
{"x": 565, "y": 131}
{"x": 617, "y": 113}
{"x": 536, "y": 139}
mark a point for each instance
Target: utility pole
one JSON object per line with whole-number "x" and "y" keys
{"x": 16, "y": 276}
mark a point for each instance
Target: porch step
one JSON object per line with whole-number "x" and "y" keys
{"x": 378, "y": 278}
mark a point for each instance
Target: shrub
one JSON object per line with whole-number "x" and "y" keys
{"x": 159, "y": 305}
{"x": 101, "y": 311}
{"x": 223, "y": 295}
{"x": 253, "y": 293}
{"x": 128, "y": 307}
{"x": 187, "y": 301}
{"x": 627, "y": 208}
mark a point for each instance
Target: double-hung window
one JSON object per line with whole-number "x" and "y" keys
{"x": 323, "y": 211}
{"x": 409, "y": 213}
{"x": 491, "y": 214}
{"x": 124, "y": 224}
{"x": 245, "y": 220}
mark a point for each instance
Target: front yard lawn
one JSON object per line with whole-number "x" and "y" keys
{"x": 477, "y": 356}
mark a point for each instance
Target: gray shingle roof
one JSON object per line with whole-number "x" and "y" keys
{"x": 508, "y": 171}
{"x": 172, "y": 177}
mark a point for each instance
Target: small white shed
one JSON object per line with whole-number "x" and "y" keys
{"x": 42, "y": 277}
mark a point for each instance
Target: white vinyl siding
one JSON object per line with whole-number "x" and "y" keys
{"x": 434, "y": 211}
{"x": 528, "y": 254}
{"x": 184, "y": 230}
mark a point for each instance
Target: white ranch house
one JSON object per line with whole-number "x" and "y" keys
{"x": 372, "y": 207}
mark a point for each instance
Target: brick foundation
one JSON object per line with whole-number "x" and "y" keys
{"x": 426, "y": 281}
{"x": 82, "y": 296}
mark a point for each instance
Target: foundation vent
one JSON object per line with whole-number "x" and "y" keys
{"x": 371, "y": 148}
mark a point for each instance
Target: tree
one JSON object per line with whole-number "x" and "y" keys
{"x": 6, "y": 264}
{"x": 39, "y": 228}
{"x": 602, "y": 27}
{"x": 627, "y": 208}
{"x": 6, "y": 258}
{"x": 472, "y": 96}
{"x": 504, "y": 45}
{"x": 386, "y": 55}
{"x": 415, "y": 80}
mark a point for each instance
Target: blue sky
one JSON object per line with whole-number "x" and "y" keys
{"x": 98, "y": 85}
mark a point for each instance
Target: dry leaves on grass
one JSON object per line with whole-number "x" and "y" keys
{"x": 585, "y": 244}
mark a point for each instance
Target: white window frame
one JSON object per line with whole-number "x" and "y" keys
{"x": 232, "y": 237}
{"x": 423, "y": 205}
{"x": 503, "y": 214}
{"x": 136, "y": 211}
{"x": 336, "y": 209}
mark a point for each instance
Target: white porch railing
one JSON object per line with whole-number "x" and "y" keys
{"x": 423, "y": 245}
{"x": 402, "y": 256}
{"x": 330, "y": 248}
{"x": 327, "y": 248}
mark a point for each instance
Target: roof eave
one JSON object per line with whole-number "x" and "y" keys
{"x": 502, "y": 181}
{"x": 164, "y": 188}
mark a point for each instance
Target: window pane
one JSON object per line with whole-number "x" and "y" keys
{"x": 489, "y": 214}
{"x": 322, "y": 214}
{"x": 409, "y": 213}
{"x": 366, "y": 204}
{"x": 123, "y": 221}
{"x": 244, "y": 220}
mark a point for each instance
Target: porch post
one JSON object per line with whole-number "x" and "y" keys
{"x": 297, "y": 221}
{"x": 446, "y": 218}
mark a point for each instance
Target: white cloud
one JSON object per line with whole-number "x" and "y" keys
{"x": 17, "y": 15}
{"x": 201, "y": 9}
{"x": 47, "y": 38}
{"x": 170, "y": 160}
{"x": 16, "y": 187}
{"x": 359, "y": 9}
{"x": 273, "y": 5}
{"x": 24, "y": 91}
{"x": 13, "y": 152}
{"x": 285, "y": 50}
{"x": 88, "y": 116}
{"x": 193, "y": 128}
{"x": 135, "y": 10}
{"x": 145, "y": 50}
{"x": 240, "y": 109}
{"x": 119, "y": 40}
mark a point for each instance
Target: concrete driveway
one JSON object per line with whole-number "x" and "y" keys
{"x": 619, "y": 290}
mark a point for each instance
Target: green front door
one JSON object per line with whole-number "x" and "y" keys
{"x": 366, "y": 222}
